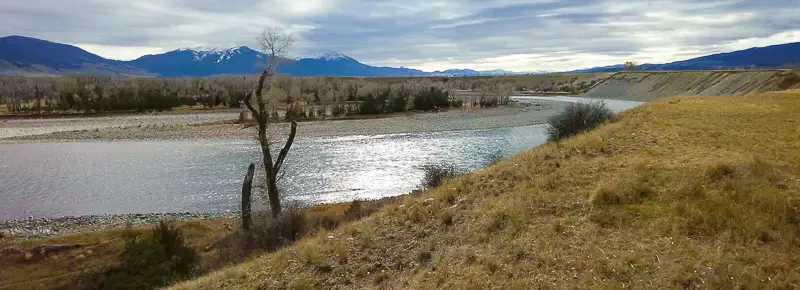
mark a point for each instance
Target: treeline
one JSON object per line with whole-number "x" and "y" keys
{"x": 97, "y": 94}
{"x": 293, "y": 97}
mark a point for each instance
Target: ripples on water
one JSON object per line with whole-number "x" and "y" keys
{"x": 56, "y": 179}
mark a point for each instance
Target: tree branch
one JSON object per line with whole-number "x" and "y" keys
{"x": 285, "y": 150}
{"x": 250, "y": 106}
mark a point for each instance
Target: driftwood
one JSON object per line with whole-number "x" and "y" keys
{"x": 47, "y": 249}
{"x": 39, "y": 252}
{"x": 247, "y": 187}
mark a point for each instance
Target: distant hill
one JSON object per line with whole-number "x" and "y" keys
{"x": 774, "y": 56}
{"x": 21, "y": 55}
{"x": 244, "y": 60}
{"x": 29, "y": 56}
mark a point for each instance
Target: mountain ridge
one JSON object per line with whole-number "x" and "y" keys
{"x": 20, "y": 55}
{"x": 26, "y": 54}
{"x": 785, "y": 55}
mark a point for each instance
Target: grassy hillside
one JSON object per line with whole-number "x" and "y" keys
{"x": 81, "y": 268}
{"x": 72, "y": 269}
{"x": 679, "y": 192}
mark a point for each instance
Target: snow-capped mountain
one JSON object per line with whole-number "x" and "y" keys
{"x": 243, "y": 60}
{"x": 219, "y": 55}
{"x": 195, "y": 62}
{"x": 332, "y": 55}
{"x": 22, "y": 55}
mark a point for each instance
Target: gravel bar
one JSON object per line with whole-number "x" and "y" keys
{"x": 36, "y": 228}
{"x": 452, "y": 120}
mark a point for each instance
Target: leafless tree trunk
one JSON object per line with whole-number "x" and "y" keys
{"x": 247, "y": 187}
{"x": 275, "y": 44}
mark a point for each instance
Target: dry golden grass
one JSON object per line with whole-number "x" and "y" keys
{"x": 681, "y": 192}
{"x": 67, "y": 269}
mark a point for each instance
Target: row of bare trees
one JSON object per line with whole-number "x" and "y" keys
{"x": 320, "y": 94}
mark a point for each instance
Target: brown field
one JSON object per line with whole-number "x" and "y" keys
{"x": 682, "y": 192}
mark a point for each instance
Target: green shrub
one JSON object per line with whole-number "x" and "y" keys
{"x": 435, "y": 175}
{"x": 431, "y": 99}
{"x": 576, "y": 119}
{"x": 398, "y": 103}
{"x": 151, "y": 260}
{"x": 371, "y": 105}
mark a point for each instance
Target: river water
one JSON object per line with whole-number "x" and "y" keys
{"x": 80, "y": 178}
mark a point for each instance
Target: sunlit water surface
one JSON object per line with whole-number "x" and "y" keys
{"x": 67, "y": 179}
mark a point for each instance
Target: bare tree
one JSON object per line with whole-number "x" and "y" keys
{"x": 275, "y": 44}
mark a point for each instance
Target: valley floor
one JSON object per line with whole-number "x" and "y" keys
{"x": 681, "y": 192}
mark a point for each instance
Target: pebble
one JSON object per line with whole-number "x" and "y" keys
{"x": 35, "y": 228}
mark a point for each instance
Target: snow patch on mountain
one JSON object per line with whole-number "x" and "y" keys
{"x": 200, "y": 53}
{"x": 332, "y": 55}
{"x": 226, "y": 55}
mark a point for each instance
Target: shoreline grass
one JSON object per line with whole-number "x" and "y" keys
{"x": 685, "y": 192}
{"x": 100, "y": 249}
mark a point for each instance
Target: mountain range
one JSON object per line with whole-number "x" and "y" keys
{"x": 21, "y": 55}
{"x": 774, "y": 56}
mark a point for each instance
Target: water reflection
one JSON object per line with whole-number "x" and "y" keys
{"x": 55, "y": 179}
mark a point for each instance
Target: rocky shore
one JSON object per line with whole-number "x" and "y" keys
{"x": 457, "y": 119}
{"x": 35, "y": 228}
{"x": 40, "y": 126}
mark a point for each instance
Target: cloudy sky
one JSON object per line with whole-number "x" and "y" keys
{"x": 532, "y": 35}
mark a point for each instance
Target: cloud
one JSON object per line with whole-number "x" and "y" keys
{"x": 427, "y": 34}
{"x": 120, "y": 52}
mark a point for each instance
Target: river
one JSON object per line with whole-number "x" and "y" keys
{"x": 83, "y": 178}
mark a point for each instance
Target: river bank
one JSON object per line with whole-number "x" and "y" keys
{"x": 678, "y": 193}
{"x": 186, "y": 126}
{"x": 219, "y": 126}
{"x": 37, "y": 228}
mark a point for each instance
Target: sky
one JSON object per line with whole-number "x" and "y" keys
{"x": 516, "y": 35}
